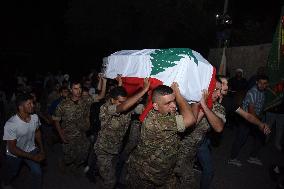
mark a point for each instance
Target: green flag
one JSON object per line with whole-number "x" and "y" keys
{"x": 275, "y": 65}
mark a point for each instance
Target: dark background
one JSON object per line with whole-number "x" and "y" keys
{"x": 74, "y": 35}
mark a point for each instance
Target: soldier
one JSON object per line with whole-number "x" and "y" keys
{"x": 115, "y": 119}
{"x": 193, "y": 138}
{"x": 152, "y": 162}
{"x": 72, "y": 121}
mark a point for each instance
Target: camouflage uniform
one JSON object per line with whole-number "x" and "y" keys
{"x": 134, "y": 133}
{"x": 151, "y": 164}
{"x": 74, "y": 117}
{"x": 191, "y": 140}
{"x": 109, "y": 142}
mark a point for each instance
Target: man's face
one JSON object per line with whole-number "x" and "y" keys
{"x": 165, "y": 104}
{"x": 65, "y": 93}
{"x": 87, "y": 84}
{"x": 217, "y": 92}
{"x": 262, "y": 84}
{"x": 76, "y": 90}
{"x": 118, "y": 100}
{"x": 27, "y": 106}
{"x": 225, "y": 87}
{"x": 239, "y": 74}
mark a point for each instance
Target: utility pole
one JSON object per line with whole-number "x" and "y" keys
{"x": 224, "y": 40}
{"x": 225, "y": 7}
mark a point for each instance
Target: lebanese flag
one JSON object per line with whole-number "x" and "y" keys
{"x": 188, "y": 68}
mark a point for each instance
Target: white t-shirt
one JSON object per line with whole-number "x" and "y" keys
{"x": 24, "y": 133}
{"x": 92, "y": 91}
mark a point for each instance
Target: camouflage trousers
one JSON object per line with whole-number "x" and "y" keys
{"x": 107, "y": 164}
{"x": 133, "y": 139}
{"x": 185, "y": 163}
{"x": 134, "y": 181}
{"x": 138, "y": 179}
{"x": 76, "y": 151}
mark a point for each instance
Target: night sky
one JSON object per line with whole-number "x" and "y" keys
{"x": 72, "y": 34}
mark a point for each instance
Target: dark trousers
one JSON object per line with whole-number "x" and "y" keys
{"x": 13, "y": 164}
{"x": 242, "y": 132}
{"x": 205, "y": 159}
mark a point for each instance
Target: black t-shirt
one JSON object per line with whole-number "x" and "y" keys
{"x": 229, "y": 104}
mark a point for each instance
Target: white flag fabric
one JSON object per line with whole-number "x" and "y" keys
{"x": 188, "y": 68}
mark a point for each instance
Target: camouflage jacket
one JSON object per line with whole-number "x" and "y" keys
{"x": 193, "y": 138}
{"x": 155, "y": 156}
{"x": 74, "y": 116}
{"x": 113, "y": 128}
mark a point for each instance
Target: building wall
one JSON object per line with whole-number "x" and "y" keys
{"x": 249, "y": 58}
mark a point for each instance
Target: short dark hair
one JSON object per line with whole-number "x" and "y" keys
{"x": 161, "y": 90}
{"x": 117, "y": 91}
{"x": 218, "y": 79}
{"x": 262, "y": 77}
{"x": 75, "y": 82}
{"x": 85, "y": 89}
{"x": 21, "y": 98}
{"x": 219, "y": 76}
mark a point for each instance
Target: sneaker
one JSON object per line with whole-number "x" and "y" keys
{"x": 254, "y": 160}
{"x": 274, "y": 172}
{"x": 235, "y": 162}
{"x": 86, "y": 169}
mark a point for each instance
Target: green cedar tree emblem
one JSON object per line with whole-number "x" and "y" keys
{"x": 165, "y": 58}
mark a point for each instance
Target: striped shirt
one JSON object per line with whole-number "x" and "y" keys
{"x": 256, "y": 98}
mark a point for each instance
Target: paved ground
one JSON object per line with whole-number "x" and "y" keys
{"x": 226, "y": 176}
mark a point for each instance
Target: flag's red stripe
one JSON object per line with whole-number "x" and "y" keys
{"x": 211, "y": 88}
{"x": 133, "y": 84}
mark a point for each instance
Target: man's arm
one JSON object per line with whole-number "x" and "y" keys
{"x": 254, "y": 120}
{"x": 133, "y": 99}
{"x": 251, "y": 109}
{"x": 99, "y": 86}
{"x": 199, "y": 116}
{"x": 195, "y": 109}
{"x": 216, "y": 122}
{"x": 184, "y": 108}
{"x": 38, "y": 140}
{"x": 119, "y": 80}
{"x": 103, "y": 90}
{"x": 59, "y": 111}
{"x": 60, "y": 131}
{"x": 12, "y": 147}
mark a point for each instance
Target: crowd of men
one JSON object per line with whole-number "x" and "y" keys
{"x": 99, "y": 128}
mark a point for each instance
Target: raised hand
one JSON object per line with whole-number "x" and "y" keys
{"x": 118, "y": 79}
{"x": 204, "y": 98}
{"x": 175, "y": 87}
{"x": 100, "y": 75}
{"x": 146, "y": 83}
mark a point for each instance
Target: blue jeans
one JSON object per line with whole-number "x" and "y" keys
{"x": 13, "y": 165}
{"x": 205, "y": 159}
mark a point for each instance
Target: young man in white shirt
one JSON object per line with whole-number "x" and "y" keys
{"x": 24, "y": 144}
